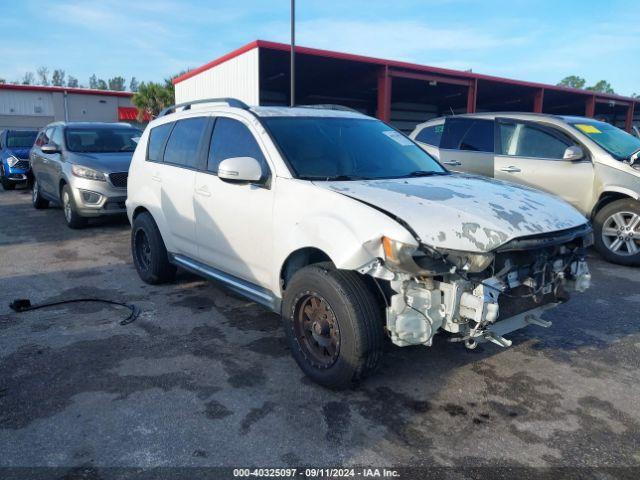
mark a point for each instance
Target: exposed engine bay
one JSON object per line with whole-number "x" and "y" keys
{"x": 479, "y": 297}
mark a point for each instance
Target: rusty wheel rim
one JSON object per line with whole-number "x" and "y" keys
{"x": 316, "y": 328}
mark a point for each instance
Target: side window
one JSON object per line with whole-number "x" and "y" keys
{"x": 473, "y": 135}
{"x": 56, "y": 137}
{"x": 183, "y": 145}
{"x": 232, "y": 138}
{"x": 527, "y": 140}
{"x": 157, "y": 138}
{"x": 431, "y": 135}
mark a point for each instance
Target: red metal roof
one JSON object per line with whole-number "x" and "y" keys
{"x": 391, "y": 64}
{"x": 130, "y": 114}
{"x": 85, "y": 91}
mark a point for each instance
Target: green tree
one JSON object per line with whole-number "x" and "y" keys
{"x": 117, "y": 83}
{"x": 28, "y": 79}
{"x": 152, "y": 97}
{"x": 93, "y": 82}
{"x": 573, "y": 81}
{"x": 72, "y": 82}
{"x": 134, "y": 85}
{"x": 43, "y": 73}
{"x": 57, "y": 77}
{"x": 602, "y": 87}
{"x": 2, "y": 80}
{"x": 102, "y": 85}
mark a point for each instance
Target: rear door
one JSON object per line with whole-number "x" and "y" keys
{"x": 467, "y": 145}
{"x": 531, "y": 153}
{"x": 176, "y": 175}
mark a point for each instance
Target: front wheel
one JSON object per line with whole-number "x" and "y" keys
{"x": 617, "y": 232}
{"x": 333, "y": 325}
{"x": 69, "y": 208}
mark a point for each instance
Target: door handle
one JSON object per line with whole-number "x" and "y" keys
{"x": 204, "y": 191}
{"x": 510, "y": 169}
{"x": 155, "y": 176}
{"x": 453, "y": 163}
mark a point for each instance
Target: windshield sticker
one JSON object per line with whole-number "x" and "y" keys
{"x": 587, "y": 128}
{"x": 398, "y": 138}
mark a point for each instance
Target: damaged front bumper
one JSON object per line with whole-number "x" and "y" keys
{"x": 473, "y": 308}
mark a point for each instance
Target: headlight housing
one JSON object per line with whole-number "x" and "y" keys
{"x": 468, "y": 261}
{"x": 12, "y": 160}
{"x": 89, "y": 173}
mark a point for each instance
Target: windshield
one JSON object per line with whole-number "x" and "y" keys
{"x": 615, "y": 141}
{"x": 101, "y": 139}
{"x": 320, "y": 148}
{"x": 21, "y": 139}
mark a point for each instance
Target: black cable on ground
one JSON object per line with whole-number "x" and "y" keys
{"x": 24, "y": 305}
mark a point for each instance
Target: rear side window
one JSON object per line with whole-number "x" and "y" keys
{"x": 468, "y": 134}
{"x": 431, "y": 135}
{"x": 157, "y": 138}
{"x": 232, "y": 138}
{"x": 532, "y": 141}
{"x": 183, "y": 145}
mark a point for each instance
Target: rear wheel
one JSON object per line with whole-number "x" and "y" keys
{"x": 149, "y": 253}
{"x": 617, "y": 232}
{"x": 333, "y": 325}
{"x": 70, "y": 211}
{"x": 36, "y": 197}
{"x": 6, "y": 183}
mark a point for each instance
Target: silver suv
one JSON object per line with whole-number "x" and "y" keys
{"x": 591, "y": 164}
{"x": 84, "y": 167}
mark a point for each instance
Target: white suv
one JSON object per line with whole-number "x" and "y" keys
{"x": 348, "y": 229}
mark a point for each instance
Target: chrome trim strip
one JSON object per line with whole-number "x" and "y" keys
{"x": 247, "y": 289}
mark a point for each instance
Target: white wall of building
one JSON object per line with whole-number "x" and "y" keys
{"x": 238, "y": 77}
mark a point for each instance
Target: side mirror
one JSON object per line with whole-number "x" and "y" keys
{"x": 573, "y": 154}
{"x": 240, "y": 169}
{"x": 50, "y": 148}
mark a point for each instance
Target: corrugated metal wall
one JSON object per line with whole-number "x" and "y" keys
{"x": 15, "y": 102}
{"x": 238, "y": 77}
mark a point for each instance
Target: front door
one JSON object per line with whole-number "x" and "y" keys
{"x": 234, "y": 220}
{"x": 532, "y": 154}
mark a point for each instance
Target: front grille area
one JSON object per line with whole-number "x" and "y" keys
{"x": 119, "y": 180}
{"x": 22, "y": 165}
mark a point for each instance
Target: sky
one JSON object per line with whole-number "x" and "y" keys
{"x": 541, "y": 41}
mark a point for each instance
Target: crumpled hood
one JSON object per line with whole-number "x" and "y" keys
{"x": 104, "y": 162}
{"x": 18, "y": 152}
{"x": 464, "y": 212}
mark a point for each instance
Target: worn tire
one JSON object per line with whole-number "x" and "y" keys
{"x": 69, "y": 209}
{"x": 154, "y": 268}
{"x": 359, "y": 318}
{"x": 6, "y": 184}
{"x": 37, "y": 200}
{"x": 600, "y": 221}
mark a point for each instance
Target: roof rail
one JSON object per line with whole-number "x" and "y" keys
{"x": 330, "y": 106}
{"x": 231, "y": 102}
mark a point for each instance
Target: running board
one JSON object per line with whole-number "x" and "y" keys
{"x": 246, "y": 289}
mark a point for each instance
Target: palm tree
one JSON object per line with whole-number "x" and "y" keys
{"x": 151, "y": 98}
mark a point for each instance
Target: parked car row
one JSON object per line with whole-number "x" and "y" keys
{"x": 350, "y": 230}
{"x": 590, "y": 164}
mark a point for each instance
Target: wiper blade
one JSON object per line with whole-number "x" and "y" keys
{"x": 425, "y": 173}
{"x": 332, "y": 178}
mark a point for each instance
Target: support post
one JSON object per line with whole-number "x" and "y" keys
{"x": 628, "y": 124}
{"x": 292, "y": 94}
{"x": 590, "y": 107}
{"x": 472, "y": 96}
{"x": 538, "y": 100}
{"x": 384, "y": 95}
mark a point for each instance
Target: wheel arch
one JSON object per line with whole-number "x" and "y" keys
{"x": 298, "y": 259}
{"x": 612, "y": 195}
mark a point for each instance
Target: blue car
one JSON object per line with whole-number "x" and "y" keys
{"x": 15, "y": 168}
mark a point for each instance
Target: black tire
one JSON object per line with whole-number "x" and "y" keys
{"x": 617, "y": 240}
{"x": 351, "y": 305}
{"x": 69, "y": 209}
{"x": 37, "y": 200}
{"x": 6, "y": 184}
{"x": 149, "y": 253}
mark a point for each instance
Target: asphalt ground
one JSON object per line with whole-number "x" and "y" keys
{"x": 203, "y": 378}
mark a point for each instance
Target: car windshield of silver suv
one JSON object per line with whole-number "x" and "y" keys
{"x": 101, "y": 139}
